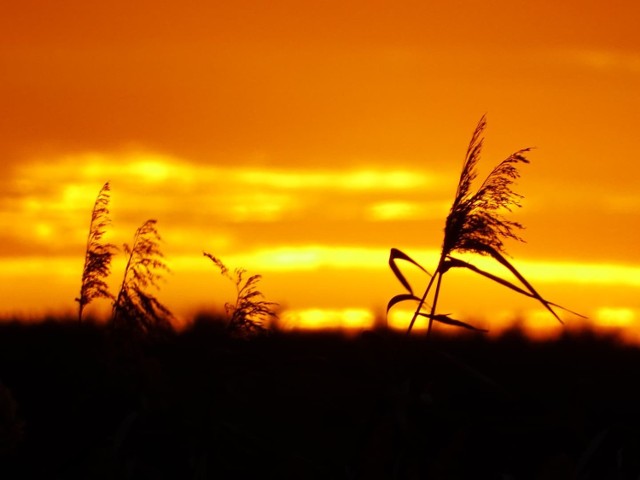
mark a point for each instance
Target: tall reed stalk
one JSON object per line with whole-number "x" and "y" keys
{"x": 475, "y": 224}
{"x": 98, "y": 255}
{"x": 135, "y": 309}
{"x": 249, "y": 313}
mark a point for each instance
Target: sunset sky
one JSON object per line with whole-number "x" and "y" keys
{"x": 303, "y": 140}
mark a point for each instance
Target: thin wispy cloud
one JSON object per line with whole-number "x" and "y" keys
{"x": 614, "y": 61}
{"x": 407, "y": 210}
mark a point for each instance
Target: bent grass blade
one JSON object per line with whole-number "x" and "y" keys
{"x": 395, "y": 255}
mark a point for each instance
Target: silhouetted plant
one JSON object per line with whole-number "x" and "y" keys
{"x": 475, "y": 224}
{"x": 250, "y": 312}
{"x": 135, "y": 309}
{"x": 98, "y": 255}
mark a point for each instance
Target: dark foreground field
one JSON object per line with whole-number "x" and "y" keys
{"x": 202, "y": 406}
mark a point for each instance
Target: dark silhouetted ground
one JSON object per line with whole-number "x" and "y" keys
{"x": 201, "y": 405}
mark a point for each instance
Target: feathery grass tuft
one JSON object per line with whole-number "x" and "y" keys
{"x": 250, "y": 312}
{"x": 135, "y": 309}
{"x": 475, "y": 224}
{"x": 98, "y": 255}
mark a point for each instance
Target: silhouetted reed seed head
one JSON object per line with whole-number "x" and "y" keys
{"x": 475, "y": 220}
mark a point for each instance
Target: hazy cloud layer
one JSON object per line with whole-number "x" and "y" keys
{"x": 246, "y": 206}
{"x": 51, "y": 202}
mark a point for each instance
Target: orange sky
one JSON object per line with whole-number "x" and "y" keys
{"x": 303, "y": 140}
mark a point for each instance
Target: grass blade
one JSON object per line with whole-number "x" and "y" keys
{"x": 403, "y": 297}
{"x": 395, "y": 255}
{"x": 495, "y": 254}
{"x": 457, "y": 263}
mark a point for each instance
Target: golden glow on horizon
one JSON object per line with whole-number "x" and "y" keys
{"x": 316, "y": 257}
{"x": 318, "y": 319}
{"x": 615, "y": 317}
{"x": 399, "y": 319}
{"x": 538, "y": 324}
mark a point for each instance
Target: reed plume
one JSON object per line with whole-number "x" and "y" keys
{"x": 475, "y": 224}
{"x": 249, "y": 313}
{"x": 98, "y": 255}
{"x": 135, "y": 309}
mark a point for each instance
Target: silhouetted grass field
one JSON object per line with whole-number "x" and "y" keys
{"x": 201, "y": 404}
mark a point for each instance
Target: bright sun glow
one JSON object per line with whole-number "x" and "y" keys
{"x": 315, "y": 319}
{"x": 399, "y": 319}
{"x": 394, "y": 211}
{"x": 615, "y": 317}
